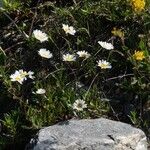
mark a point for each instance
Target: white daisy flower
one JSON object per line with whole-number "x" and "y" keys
{"x": 23, "y": 74}
{"x": 68, "y": 29}
{"x": 106, "y": 45}
{"x": 30, "y": 74}
{"x": 72, "y": 31}
{"x": 79, "y": 105}
{"x": 83, "y": 54}
{"x": 17, "y": 76}
{"x": 40, "y": 91}
{"x": 45, "y": 53}
{"x": 39, "y": 35}
{"x": 65, "y": 28}
{"x": 69, "y": 57}
{"x": 104, "y": 64}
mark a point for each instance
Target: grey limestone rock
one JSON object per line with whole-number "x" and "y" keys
{"x": 89, "y": 134}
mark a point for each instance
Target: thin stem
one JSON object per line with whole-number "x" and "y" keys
{"x": 120, "y": 76}
{"x": 33, "y": 19}
{"x": 90, "y": 85}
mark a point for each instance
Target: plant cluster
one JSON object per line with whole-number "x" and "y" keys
{"x": 73, "y": 59}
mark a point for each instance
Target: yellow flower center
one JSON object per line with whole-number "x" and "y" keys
{"x": 18, "y": 78}
{"x": 138, "y": 5}
{"x": 139, "y": 55}
{"x": 104, "y": 66}
{"x": 117, "y": 32}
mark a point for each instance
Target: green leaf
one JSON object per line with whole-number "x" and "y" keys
{"x": 142, "y": 45}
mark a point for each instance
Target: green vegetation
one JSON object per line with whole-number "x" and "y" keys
{"x": 72, "y": 59}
